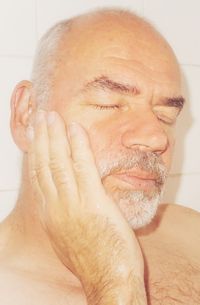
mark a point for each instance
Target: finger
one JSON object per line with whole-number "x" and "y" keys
{"x": 37, "y": 193}
{"x": 39, "y": 157}
{"x": 85, "y": 169}
{"x": 60, "y": 161}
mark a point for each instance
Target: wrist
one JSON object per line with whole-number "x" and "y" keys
{"x": 117, "y": 292}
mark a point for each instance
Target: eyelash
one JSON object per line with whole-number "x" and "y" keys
{"x": 170, "y": 123}
{"x": 105, "y": 107}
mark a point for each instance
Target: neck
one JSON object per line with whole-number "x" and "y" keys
{"x": 26, "y": 243}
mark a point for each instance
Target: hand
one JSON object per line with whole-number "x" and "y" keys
{"x": 85, "y": 227}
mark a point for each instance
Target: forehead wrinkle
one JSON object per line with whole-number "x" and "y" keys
{"x": 104, "y": 83}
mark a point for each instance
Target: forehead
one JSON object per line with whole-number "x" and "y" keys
{"x": 126, "y": 48}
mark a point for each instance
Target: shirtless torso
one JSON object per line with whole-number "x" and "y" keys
{"x": 171, "y": 247}
{"x": 172, "y": 253}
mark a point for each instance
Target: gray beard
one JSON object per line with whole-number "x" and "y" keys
{"x": 137, "y": 206}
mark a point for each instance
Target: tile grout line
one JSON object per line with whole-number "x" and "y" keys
{"x": 184, "y": 174}
{"x": 190, "y": 65}
{"x": 9, "y": 190}
{"x": 16, "y": 56}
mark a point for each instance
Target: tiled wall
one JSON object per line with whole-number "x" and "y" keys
{"x": 22, "y": 22}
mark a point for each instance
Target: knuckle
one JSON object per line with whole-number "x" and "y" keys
{"x": 41, "y": 169}
{"x": 33, "y": 176}
{"x": 54, "y": 163}
{"x": 59, "y": 173}
{"x": 56, "y": 167}
{"x": 60, "y": 178}
{"x": 79, "y": 166}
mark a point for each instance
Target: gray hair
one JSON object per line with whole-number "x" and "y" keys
{"x": 45, "y": 61}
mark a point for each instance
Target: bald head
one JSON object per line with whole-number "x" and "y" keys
{"x": 87, "y": 33}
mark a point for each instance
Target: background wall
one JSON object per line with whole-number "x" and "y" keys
{"x": 22, "y": 22}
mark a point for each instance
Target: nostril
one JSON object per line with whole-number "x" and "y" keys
{"x": 159, "y": 141}
{"x": 146, "y": 139}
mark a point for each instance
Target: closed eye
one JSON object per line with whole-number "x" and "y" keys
{"x": 167, "y": 115}
{"x": 166, "y": 120}
{"x": 106, "y": 107}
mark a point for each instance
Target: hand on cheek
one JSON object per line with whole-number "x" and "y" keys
{"x": 86, "y": 229}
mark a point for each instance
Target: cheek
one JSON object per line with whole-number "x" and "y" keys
{"x": 105, "y": 135}
{"x": 99, "y": 141}
{"x": 104, "y": 144}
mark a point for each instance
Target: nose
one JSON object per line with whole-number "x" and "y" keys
{"x": 145, "y": 133}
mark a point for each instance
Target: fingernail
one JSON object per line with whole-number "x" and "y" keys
{"x": 40, "y": 114}
{"x": 51, "y": 117}
{"x": 30, "y": 133}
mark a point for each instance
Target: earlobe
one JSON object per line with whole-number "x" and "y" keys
{"x": 21, "y": 109}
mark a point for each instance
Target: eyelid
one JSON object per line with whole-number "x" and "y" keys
{"x": 169, "y": 120}
{"x": 166, "y": 108}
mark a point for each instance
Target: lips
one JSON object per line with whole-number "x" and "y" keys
{"x": 138, "y": 180}
{"x": 139, "y": 174}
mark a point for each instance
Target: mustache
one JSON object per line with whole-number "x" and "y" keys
{"x": 148, "y": 162}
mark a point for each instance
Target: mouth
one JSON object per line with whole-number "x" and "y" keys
{"x": 137, "y": 180}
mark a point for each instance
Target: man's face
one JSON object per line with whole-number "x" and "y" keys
{"x": 123, "y": 85}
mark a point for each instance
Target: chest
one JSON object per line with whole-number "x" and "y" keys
{"x": 172, "y": 279}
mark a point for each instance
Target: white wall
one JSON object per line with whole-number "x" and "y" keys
{"x": 22, "y": 22}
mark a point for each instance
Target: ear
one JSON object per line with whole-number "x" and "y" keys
{"x": 22, "y": 107}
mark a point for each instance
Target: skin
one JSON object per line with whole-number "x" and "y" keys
{"x": 35, "y": 253}
{"x": 94, "y": 55}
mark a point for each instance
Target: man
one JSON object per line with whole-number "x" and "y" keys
{"x": 96, "y": 126}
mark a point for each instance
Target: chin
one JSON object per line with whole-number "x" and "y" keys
{"x": 137, "y": 206}
{"x": 139, "y": 211}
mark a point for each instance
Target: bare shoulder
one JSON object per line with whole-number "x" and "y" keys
{"x": 177, "y": 225}
{"x": 179, "y": 216}
{"x": 178, "y": 208}
{"x": 170, "y": 216}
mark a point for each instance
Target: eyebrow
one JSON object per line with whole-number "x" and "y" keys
{"x": 103, "y": 82}
{"x": 176, "y": 101}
